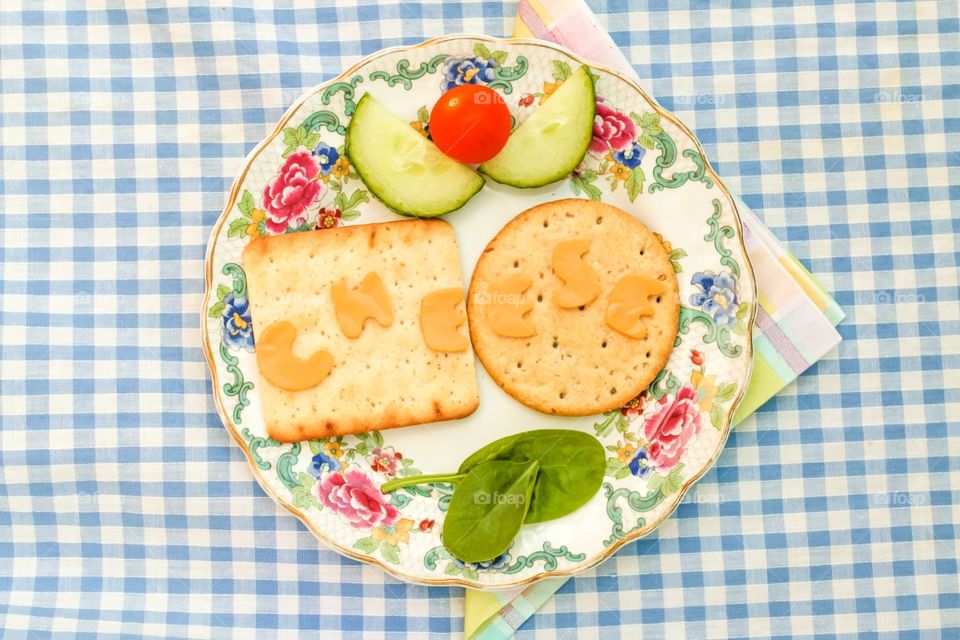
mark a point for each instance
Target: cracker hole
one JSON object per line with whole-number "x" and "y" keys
{"x": 582, "y": 307}
{"x": 658, "y": 298}
{"x": 600, "y": 220}
{"x": 648, "y": 354}
{"x": 563, "y": 394}
{"x": 613, "y": 391}
{"x": 540, "y": 298}
{"x": 516, "y": 264}
{"x": 603, "y": 345}
{"x": 545, "y": 224}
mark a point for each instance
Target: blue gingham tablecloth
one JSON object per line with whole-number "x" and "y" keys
{"x": 124, "y": 507}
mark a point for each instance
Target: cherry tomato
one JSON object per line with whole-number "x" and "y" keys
{"x": 470, "y": 123}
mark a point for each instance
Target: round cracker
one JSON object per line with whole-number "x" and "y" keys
{"x": 575, "y": 365}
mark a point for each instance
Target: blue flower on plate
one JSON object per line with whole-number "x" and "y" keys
{"x": 640, "y": 465}
{"x": 322, "y": 462}
{"x": 237, "y": 327}
{"x": 468, "y": 70}
{"x": 326, "y": 156}
{"x": 717, "y": 296}
{"x": 631, "y": 157}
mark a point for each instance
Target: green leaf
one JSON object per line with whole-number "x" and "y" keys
{"x": 636, "y": 118}
{"x": 216, "y": 310}
{"x": 571, "y": 467}
{"x": 743, "y": 310}
{"x": 223, "y": 291}
{"x": 362, "y": 449}
{"x": 725, "y": 392}
{"x": 306, "y": 480}
{"x": 358, "y": 196}
{"x": 311, "y": 140}
{"x": 603, "y": 167}
{"x": 340, "y": 201}
{"x": 716, "y": 417}
{"x": 623, "y": 473}
{"x": 650, "y": 123}
{"x": 655, "y": 482}
{"x": 592, "y": 191}
{"x": 499, "y": 57}
{"x": 588, "y": 175}
{"x": 634, "y": 183}
{"x": 488, "y": 509}
{"x": 376, "y": 438}
{"x": 423, "y": 115}
{"x": 561, "y": 70}
{"x": 334, "y": 185}
{"x": 676, "y": 254}
{"x": 645, "y": 141}
{"x": 301, "y": 498}
{"x": 452, "y": 569}
{"x": 575, "y": 185}
{"x": 470, "y": 573}
{"x": 612, "y": 467}
{"x": 390, "y": 553}
{"x": 481, "y": 51}
{"x": 290, "y": 136}
{"x": 366, "y": 545}
{"x": 237, "y": 228}
{"x": 316, "y": 446}
{"x": 611, "y": 447}
{"x": 350, "y": 215}
{"x": 246, "y": 203}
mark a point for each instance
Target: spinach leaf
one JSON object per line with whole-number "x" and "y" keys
{"x": 488, "y": 509}
{"x": 571, "y": 468}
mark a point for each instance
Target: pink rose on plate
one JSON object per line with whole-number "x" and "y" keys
{"x": 612, "y": 129}
{"x": 293, "y": 190}
{"x": 354, "y": 496}
{"x": 672, "y": 427}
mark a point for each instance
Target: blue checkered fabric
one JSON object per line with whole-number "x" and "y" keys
{"x": 126, "y": 510}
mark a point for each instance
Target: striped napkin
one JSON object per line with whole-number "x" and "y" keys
{"x": 795, "y": 324}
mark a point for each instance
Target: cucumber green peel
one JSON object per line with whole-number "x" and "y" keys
{"x": 552, "y": 141}
{"x": 402, "y": 168}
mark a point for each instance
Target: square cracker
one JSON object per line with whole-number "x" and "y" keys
{"x": 387, "y": 377}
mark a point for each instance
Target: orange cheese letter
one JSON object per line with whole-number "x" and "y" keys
{"x": 507, "y": 307}
{"x": 369, "y": 300}
{"x": 439, "y": 320}
{"x": 283, "y": 369}
{"x": 628, "y": 305}
{"x": 582, "y": 282}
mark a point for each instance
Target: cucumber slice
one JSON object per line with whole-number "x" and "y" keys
{"x": 404, "y": 169}
{"x": 552, "y": 141}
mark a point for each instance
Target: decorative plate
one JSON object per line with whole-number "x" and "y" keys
{"x": 641, "y": 159}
